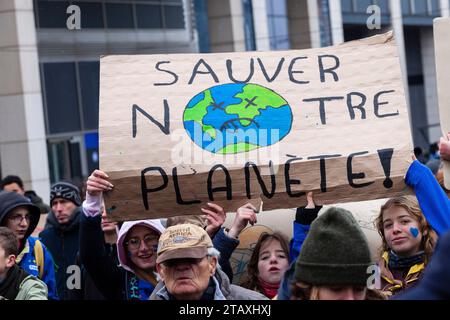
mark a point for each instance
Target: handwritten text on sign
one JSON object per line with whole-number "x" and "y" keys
{"x": 177, "y": 131}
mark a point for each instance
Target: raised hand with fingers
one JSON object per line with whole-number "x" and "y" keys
{"x": 244, "y": 215}
{"x": 97, "y": 183}
{"x": 215, "y": 216}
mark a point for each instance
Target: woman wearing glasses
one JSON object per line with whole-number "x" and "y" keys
{"x": 135, "y": 277}
{"x": 19, "y": 215}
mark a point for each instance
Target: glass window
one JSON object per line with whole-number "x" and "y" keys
{"x": 149, "y": 16}
{"x": 347, "y": 6}
{"x": 61, "y": 97}
{"x": 435, "y": 9}
{"x": 89, "y": 84}
{"x": 406, "y": 7}
{"x": 249, "y": 30}
{"x": 173, "y": 17}
{"x": 119, "y": 15}
{"x": 420, "y": 7}
{"x": 52, "y": 14}
{"x": 384, "y": 5}
{"x": 362, "y": 5}
{"x": 91, "y": 14}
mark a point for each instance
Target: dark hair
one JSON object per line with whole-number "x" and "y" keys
{"x": 433, "y": 147}
{"x": 8, "y": 241}
{"x": 9, "y": 180}
{"x": 418, "y": 151}
{"x": 252, "y": 281}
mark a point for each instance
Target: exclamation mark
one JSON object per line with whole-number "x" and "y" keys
{"x": 386, "y": 157}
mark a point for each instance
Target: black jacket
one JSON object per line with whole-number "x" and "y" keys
{"x": 101, "y": 264}
{"x": 89, "y": 290}
{"x": 63, "y": 242}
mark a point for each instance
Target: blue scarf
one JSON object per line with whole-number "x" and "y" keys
{"x": 397, "y": 262}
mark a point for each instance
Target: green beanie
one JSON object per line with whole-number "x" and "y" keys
{"x": 335, "y": 252}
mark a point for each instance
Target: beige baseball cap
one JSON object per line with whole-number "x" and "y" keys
{"x": 183, "y": 241}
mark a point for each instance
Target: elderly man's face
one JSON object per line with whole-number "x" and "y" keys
{"x": 187, "y": 279}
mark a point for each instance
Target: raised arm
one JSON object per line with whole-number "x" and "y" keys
{"x": 432, "y": 199}
{"x": 107, "y": 276}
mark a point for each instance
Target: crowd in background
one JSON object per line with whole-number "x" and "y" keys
{"x": 188, "y": 257}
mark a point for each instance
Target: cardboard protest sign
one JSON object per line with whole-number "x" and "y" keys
{"x": 442, "y": 52}
{"x": 180, "y": 130}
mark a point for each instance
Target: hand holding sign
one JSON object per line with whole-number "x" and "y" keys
{"x": 97, "y": 183}
{"x": 244, "y": 215}
{"x": 216, "y": 217}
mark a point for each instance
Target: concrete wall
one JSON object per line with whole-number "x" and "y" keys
{"x": 429, "y": 75}
{"x": 226, "y": 26}
{"x": 23, "y": 149}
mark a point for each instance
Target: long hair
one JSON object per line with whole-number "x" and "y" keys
{"x": 252, "y": 282}
{"x": 410, "y": 204}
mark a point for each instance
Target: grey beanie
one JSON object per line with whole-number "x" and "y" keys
{"x": 335, "y": 252}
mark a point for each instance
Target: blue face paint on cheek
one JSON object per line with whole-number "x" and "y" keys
{"x": 414, "y": 232}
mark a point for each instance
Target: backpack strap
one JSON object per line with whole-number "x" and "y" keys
{"x": 39, "y": 256}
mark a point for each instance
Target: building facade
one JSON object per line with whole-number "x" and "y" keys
{"x": 49, "y": 78}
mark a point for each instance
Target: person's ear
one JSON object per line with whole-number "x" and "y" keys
{"x": 11, "y": 261}
{"x": 160, "y": 271}
{"x": 212, "y": 265}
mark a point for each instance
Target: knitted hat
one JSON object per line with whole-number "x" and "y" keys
{"x": 67, "y": 191}
{"x": 335, "y": 252}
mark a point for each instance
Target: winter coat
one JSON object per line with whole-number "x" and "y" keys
{"x": 224, "y": 290}
{"x": 88, "y": 289}
{"x": 395, "y": 281}
{"x": 435, "y": 206}
{"x": 434, "y": 284}
{"x": 27, "y": 260}
{"x": 115, "y": 281}
{"x": 19, "y": 285}
{"x": 32, "y": 288}
{"x": 225, "y": 245}
{"x": 63, "y": 243}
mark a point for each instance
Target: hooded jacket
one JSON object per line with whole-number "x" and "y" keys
{"x": 63, "y": 243}
{"x": 115, "y": 281}
{"x": 224, "y": 290}
{"x": 26, "y": 258}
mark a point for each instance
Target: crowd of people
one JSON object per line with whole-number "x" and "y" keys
{"x": 82, "y": 255}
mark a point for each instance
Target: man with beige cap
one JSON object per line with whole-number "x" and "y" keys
{"x": 187, "y": 264}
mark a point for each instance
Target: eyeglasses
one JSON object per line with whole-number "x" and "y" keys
{"x": 149, "y": 240}
{"x": 18, "y": 218}
{"x": 174, "y": 262}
